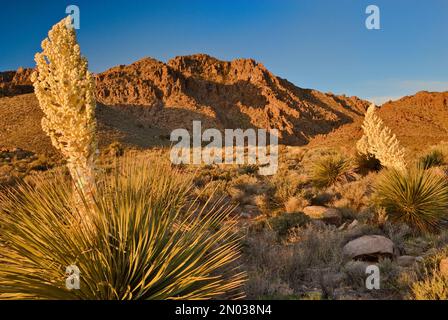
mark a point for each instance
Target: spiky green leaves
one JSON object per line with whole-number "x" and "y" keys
{"x": 416, "y": 197}
{"x": 331, "y": 170}
{"x": 152, "y": 240}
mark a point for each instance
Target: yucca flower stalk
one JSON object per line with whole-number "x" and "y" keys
{"x": 379, "y": 141}
{"x": 153, "y": 240}
{"x": 65, "y": 90}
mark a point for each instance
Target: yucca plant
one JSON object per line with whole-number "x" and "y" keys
{"x": 331, "y": 170}
{"x": 416, "y": 197}
{"x": 152, "y": 240}
{"x": 433, "y": 159}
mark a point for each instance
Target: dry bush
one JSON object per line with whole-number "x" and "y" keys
{"x": 433, "y": 287}
{"x": 354, "y": 196}
{"x": 431, "y": 284}
{"x": 313, "y": 253}
{"x": 296, "y": 204}
{"x": 285, "y": 185}
{"x": 282, "y": 224}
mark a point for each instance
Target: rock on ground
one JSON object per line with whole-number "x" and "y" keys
{"x": 370, "y": 248}
{"x": 328, "y": 215}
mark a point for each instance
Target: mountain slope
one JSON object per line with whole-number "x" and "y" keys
{"x": 419, "y": 121}
{"x": 141, "y": 103}
{"x": 237, "y": 94}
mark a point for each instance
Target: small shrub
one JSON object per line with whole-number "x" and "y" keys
{"x": 330, "y": 170}
{"x": 284, "y": 185}
{"x": 430, "y": 283}
{"x": 281, "y": 224}
{"x": 415, "y": 197}
{"x": 433, "y": 287}
{"x": 433, "y": 159}
{"x": 296, "y": 204}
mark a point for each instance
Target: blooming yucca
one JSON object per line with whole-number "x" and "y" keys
{"x": 379, "y": 141}
{"x": 66, "y": 93}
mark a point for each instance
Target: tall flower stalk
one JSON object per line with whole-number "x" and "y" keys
{"x": 379, "y": 141}
{"x": 65, "y": 90}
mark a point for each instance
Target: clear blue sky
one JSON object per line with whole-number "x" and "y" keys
{"x": 313, "y": 43}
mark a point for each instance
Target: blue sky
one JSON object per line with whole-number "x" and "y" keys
{"x": 313, "y": 43}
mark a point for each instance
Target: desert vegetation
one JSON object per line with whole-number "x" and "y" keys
{"x": 140, "y": 227}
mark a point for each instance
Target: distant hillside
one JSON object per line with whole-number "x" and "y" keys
{"x": 237, "y": 94}
{"x": 15, "y": 82}
{"x": 419, "y": 121}
{"x": 141, "y": 103}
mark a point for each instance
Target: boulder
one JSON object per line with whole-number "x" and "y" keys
{"x": 369, "y": 248}
{"x": 328, "y": 215}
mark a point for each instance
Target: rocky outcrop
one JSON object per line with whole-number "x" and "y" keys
{"x": 237, "y": 94}
{"x": 15, "y": 82}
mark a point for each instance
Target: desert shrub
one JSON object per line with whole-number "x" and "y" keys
{"x": 262, "y": 201}
{"x": 433, "y": 159}
{"x": 354, "y": 195}
{"x": 280, "y": 270}
{"x": 296, "y": 204}
{"x": 282, "y": 223}
{"x": 151, "y": 240}
{"x": 212, "y": 190}
{"x": 330, "y": 170}
{"x": 416, "y": 197}
{"x": 430, "y": 283}
{"x": 433, "y": 287}
{"x": 284, "y": 185}
{"x": 248, "y": 169}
